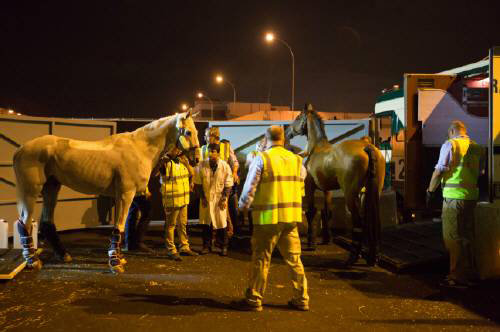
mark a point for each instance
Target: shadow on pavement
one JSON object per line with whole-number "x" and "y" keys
{"x": 152, "y": 304}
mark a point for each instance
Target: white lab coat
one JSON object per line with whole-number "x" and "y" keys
{"x": 213, "y": 185}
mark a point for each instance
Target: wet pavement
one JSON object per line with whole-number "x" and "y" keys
{"x": 157, "y": 294}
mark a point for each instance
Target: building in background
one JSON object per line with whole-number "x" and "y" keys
{"x": 220, "y": 111}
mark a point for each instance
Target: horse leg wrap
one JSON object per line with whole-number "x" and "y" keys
{"x": 29, "y": 253}
{"x": 114, "y": 252}
{"x": 48, "y": 231}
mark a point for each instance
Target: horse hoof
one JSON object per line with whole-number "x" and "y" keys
{"x": 117, "y": 269}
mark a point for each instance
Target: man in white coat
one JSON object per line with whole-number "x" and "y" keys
{"x": 213, "y": 182}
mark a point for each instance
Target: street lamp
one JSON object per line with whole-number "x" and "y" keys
{"x": 219, "y": 79}
{"x": 184, "y": 106}
{"x": 270, "y": 37}
{"x": 201, "y": 95}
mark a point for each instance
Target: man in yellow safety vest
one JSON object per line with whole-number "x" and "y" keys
{"x": 457, "y": 170}
{"x": 273, "y": 188}
{"x": 175, "y": 187}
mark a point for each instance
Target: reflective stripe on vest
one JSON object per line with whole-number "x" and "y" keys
{"x": 175, "y": 185}
{"x": 279, "y": 194}
{"x": 223, "y": 154}
{"x": 460, "y": 182}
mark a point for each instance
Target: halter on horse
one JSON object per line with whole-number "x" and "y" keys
{"x": 350, "y": 166}
{"x": 118, "y": 166}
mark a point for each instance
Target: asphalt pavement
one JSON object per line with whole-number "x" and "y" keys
{"x": 157, "y": 294}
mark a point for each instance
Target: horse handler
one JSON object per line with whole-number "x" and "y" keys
{"x": 458, "y": 168}
{"x": 274, "y": 189}
{"x": 175, "y": 187}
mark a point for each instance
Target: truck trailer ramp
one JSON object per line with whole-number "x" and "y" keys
{"x": 408, "y": 246}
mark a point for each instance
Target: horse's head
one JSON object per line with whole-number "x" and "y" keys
{"x": 187, "y": 137}
{"x": 299, "y": 126}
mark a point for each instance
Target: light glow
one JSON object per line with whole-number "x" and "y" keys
{"x": 199, "y": 95}
{"x": 269, "y": 37}
{"x": 184, "y": 107}
{"x": 219, "y": 79}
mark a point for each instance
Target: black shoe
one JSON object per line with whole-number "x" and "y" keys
{"x": 204, "y": 251}
{"x": 243, "y": 305}
{"x": 300, "y": 307}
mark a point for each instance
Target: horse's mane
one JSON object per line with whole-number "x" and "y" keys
{"x": 319, "y": 121}
{"x": 150, "y": 128}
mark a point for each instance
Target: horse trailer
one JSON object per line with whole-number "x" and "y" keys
{"x": 411, "y": 123}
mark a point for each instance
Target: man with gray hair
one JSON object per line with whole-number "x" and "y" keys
{"x": 273, "y": 188}
{"x": 457, "y": 170}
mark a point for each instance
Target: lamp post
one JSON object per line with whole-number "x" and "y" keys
{"x": 270, "y": 37}
{"x": 219, "y": 79}
{"x": 200, "y": 95}
{"x": 184, "y": 106}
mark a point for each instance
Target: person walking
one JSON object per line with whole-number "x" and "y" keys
{"x": 458, "y": 170}
{"x": 273, "y": 188}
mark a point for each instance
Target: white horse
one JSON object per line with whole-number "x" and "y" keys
{"x": 118, "y": 166}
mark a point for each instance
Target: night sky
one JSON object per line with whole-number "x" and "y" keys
{"x": 143, "y": 58}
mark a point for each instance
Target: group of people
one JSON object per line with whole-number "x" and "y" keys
{"x": 212, "y": 180}
{"x": 273, "y": 190}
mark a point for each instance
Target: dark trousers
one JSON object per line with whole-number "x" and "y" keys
{"x": 232, "y": 206}
{"x": 207, "y": 236}
{"x": 136, "y": 230}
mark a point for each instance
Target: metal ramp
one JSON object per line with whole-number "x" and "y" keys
{"x": 11, "y": 263}
{"x": 408, "y": 246}
{"x": 414, "y": 245}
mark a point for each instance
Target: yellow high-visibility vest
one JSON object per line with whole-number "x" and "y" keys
{"x": 175, "y": 185}
{"x": 279, "y": 194}
{"x": 460, "y": 182}
{"x": 223, "y": 154}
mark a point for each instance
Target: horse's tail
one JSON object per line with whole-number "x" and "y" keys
{"x": 372, "y": 202}
{"x": 19, "y": 182}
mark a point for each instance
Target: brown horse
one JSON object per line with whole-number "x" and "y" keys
{"x": 351, "y": 166}
{"x": 118, "y": 166}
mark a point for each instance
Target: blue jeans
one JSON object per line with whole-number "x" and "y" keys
{"x": 135, "y": 230}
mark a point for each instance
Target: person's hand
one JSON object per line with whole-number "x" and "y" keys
{"x": 191, "y": 186}
{"x": 148, "y": 194}
{"x": 236, "y": 178}
{"x": 222, "y": 204}
{"x": 204, "y": 202}
{"x": 429, "y": 198}
{"x": 242, "y": 209}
